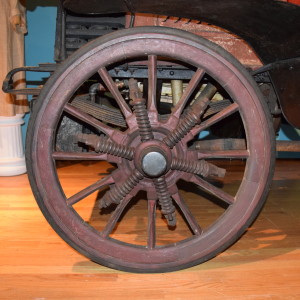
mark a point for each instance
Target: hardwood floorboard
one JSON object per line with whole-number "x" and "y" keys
{"x": 36, "y": 264}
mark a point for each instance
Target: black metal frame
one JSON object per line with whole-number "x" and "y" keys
{"x": 73, "y": 30}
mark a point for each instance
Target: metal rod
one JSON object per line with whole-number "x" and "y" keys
{"x": 240, "y": 144}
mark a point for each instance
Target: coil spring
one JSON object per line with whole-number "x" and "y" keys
{"x": 142, "y": 118}
{"x": 165, "y": 200}
{"x": 101, "y": 144}
{"x": 118, "y": 192}
{"x": 114, "y": 149}
{"x": 200, "y": 167}
{"x": 186, "y": 124}
{"x": 196, "y": 167}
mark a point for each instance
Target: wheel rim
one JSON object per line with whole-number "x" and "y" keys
{"x": 152, "y": 136}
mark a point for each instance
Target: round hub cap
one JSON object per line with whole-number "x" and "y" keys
{"x": 154, "y": 164}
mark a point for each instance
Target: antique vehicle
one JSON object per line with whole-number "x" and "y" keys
{"x": 166, "y": 112}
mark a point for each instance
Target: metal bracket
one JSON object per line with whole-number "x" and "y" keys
{"x": 7, "y": 86}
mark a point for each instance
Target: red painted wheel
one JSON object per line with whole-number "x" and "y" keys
{"x": 154, "y": 167}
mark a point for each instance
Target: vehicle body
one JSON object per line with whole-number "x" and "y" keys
{"x": 140, "y": 98}
{"x": 271, "y": 28}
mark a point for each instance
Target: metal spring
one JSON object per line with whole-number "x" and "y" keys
{"x": 114, "y": 149}
{"x": 200, "y": 167}
{"x": 186, "y": 124}
{"x": 196, "y": 167}
{"x": 165, "y": 200}
{"x": 101, "y": 144}
{"x": 100, "y": 111}
{"x": 191, "y": 116}
{"x": 142, "y": 118}
{"x": 118, "y": 192}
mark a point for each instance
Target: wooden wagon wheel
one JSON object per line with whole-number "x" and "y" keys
{"x": 153, "y": 153}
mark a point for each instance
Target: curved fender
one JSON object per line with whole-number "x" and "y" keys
{"x": 271, "y": 27}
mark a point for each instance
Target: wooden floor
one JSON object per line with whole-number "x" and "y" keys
{"x": 264, "y": 264}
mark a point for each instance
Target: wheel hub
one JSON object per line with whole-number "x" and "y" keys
{"x": 154, "y": 164}
{"x": 153, "y": 158}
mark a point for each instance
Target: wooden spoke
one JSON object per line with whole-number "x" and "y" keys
{"x": 189, "y": 90}
{"x": 90, "y": 189}
{"x": 78, "y": 156}
{"x": 232, "y": 154}
{"x": 229, "y": 110}
{"x": 110, "y": 84}
{"x": 115, "y": 216}
{"x": 151, "y": 223}
{"x": 225, "y": 197}
{"x": 192, "y": 222}
{"x": 81, "y": 115}
{"x": 152, "y": 82}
